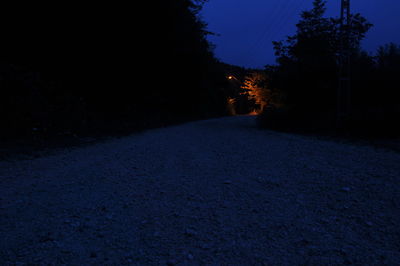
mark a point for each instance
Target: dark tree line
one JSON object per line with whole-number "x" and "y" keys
{"x": 78, "y": 68}
{"x": 307, "y": 74}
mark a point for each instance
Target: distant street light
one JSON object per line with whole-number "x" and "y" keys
{"x": 231, "y": 77}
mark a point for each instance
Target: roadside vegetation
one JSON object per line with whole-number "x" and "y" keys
{"x": 100, "y": 69}
{"x": 305, "y": 79}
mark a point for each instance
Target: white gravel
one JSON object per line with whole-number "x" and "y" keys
{"x": 214, "y": 192}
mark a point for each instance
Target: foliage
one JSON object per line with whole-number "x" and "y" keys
{"x": 307, "y": 61}
{"x": 255, "y": 88}
{"x": 105, "y": 67}
{"x": 307, "y": 73}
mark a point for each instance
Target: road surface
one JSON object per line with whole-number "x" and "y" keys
{"x": 214, "y": 192}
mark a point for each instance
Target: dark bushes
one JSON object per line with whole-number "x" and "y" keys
{"x": 296, "y": 120}
{"x": 102, "y": 68}
{"x": 308, "y": 73}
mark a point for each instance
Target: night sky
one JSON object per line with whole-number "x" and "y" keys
{"x": 246, "y": 28}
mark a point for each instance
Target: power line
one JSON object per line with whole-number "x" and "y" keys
{"x": 285, "y": 20}
{"x": 277, "y": 25}
{"x": 272, "y": 18}
{"x": 267, "y": 26}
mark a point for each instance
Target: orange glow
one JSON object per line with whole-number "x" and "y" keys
{"x": 230, "y": 77}
{"x": 254, "y": 112}
{"x": 253, "y": 88}
{"x": 231, "y": 106}
{"x": 231, "y": 100}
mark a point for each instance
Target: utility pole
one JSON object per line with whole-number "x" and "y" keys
{"x": 344, "y": 86}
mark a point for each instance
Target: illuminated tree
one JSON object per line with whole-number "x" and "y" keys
{"x": 256, "y": 90}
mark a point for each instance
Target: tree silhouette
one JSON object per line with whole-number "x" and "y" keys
{"x": 306, "y": 77}
{"x": 103, "y": 67}
{"x": 308, "y": 59}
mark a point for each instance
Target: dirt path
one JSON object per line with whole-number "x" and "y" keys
{"x": 215, "y": 192}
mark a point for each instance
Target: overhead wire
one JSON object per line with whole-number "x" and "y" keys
{"x": 286, "y": 19}
{"x": 270, "y": 25}
{"x": 283, "y": 23}
{"x": 277, "y": 25}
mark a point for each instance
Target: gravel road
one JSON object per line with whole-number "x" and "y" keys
{"x": 214, "y": 192}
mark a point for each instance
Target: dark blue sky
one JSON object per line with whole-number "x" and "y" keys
{"x": 247, "y": 27}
